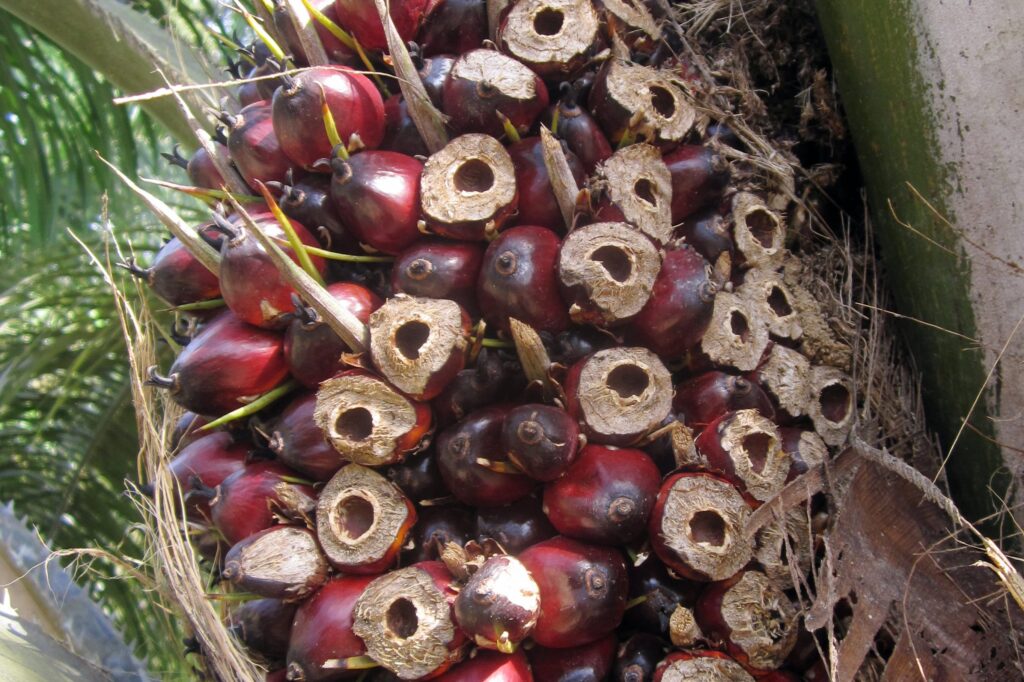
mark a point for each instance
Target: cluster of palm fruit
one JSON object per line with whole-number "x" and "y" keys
{"x": 485, "y": 374}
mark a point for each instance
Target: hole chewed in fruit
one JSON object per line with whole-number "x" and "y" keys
{"x": 402, "y": 619}
{"x": 355, "y": 424}
{"x": 548, "y": 22}
{"x": 662, "y": 101}
{"x": 762, "y": 226}
{"x": 353, "y": 518}
{"x": 615, "y": 262}
{"x": 740, "y": 325}
{"x": 835, "y": 402}
{"x": 779, "y": 303}
{"x": 757, "y": 446}
{"x": 644, "y": 189}
{"x": 628, "y": 381}
{"x": 708, "y": 528}
{"x": 474, "y": 175}
{"x": 411, "y": 337}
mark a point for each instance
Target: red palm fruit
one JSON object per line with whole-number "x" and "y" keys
{"x": 519, "y": 279}
{"x": 752, "y": 618}
{"x": 555, "y": 38}
{"x": 472, "y": 464}
{"x": 576, "y": 343}
{"x": 697, "y": 526}
{"x": 210, "y": 459}
{"x": 745, "y": 447}
{"x": 637, "y": 658}
{"x": 254, "y": 145}
{"x": 435, "y": 527}
{"x": 589, "y": 662}
{"x": 254, "y": 498}
{"x": 699, "y": 664}
{"x": 353, "y": 100}
{"x": 419, "y": 344}
{"x": 362, "y": 520}
{"x": 453, "y": 26}
{"x": 537, "y": 202}
{"x": 361, "y": 19}
{"x": 299, "y": 443}
{"x": 433, "y": 70}
{"x": 280, "y": 562}
{"x": 418, "y": 477}
{"x": 263, "y": 626}
{"x": 323, "y": 647}
{"x": 312, "y": 349}
{"x": 607, "y": 272}
{"x": 401, "y": 133}
{"x": 619, "y": 394}
{"x": 661, "y": 593}
{"x": 368, "y": 421}
{"x": 186, "y": 430}
{"x": 680, "y": 307}
{"x": 515, "y": 527}
{"x": 309, "y": 202}
{"x": 201, "y": 170}
{"x": 378, "y": 193}
{"x": 405, "y": 619}
{"x": 707, "y": 231}
{"x": 484, "y": 83}
{"x": 581, "y": 133}
{"x": 582, "y": 591}
{"x": 469, "y": 189}
{"x": 498, "y": 606}
{"x": 701, "y": 400}
{"x": 699, "y": 177}
{"x": 640, "y": 102}
{"x": 177, "y": 276}
{"x": 491, "y": 666}
{"x": 434, "y": 268}
{"x": 541, "y": 440}
{"x": 336, "y": 50}
{"x": 805, "y": 448}
{"x": 605, "y": 496}
{"x": 227, "y": 364}
{"x": 250, "y": 283}
{"x": 249, "y": 93}
{"x": 494, "y": 377}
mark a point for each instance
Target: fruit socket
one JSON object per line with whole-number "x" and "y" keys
{"x": 537, "y": 202}
{"x": 707, "y": 397}
{"x": 700, "y": 664}
{"x": 805, "y": 448}
{"x": 256, "y": 497}
{"x": 745, "y": 447}
{"x": 832, "y": 404}
{"x": 368, "y": 421}
{"x": 619, "y": 394}
{"x": 405, "y": 619}
{"x": 697, "y": 527}
{"x": 484, "y": 83}
{"x": 555, "y": 38}
{"x": 607, "y": 272}
{"x": 735, "y": 336}
{"x": 605, "y": 496}
{"x": 634, "y": 185}
{"x": 419, "y": 344}
{"x": 433, "y": 268}
{"x": 362, "y": 520}
{"x": 773, "y": 301}
{"x": 541, "y": 440}
{"x": 641, "y": 103}
{"x": 282, "y": 562}
{"x": 499, "y": 605}
{"x": 468, "y": 189}
{"x": 759, "y": 232}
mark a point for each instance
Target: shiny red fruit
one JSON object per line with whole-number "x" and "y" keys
{"x": 699, "y": 177}
{"x": 484, "y": 83}
{"x": 515, "y": 527}
{"x": 322, "y": 633}
{"x": 263, "y": 626}
{"x": 701, "y": 400}
{"x": 453, "y": 26}
{"x": 361, "y": 19}
{"x": 580, "y": 131}
{"x": 336, "y": 51}
{"x": 537, "y": 203}
{"x": 490, "y": 666}
{"x": 541, "y": 440}
{"x": 177, "y": 276}
{"x": 254, "y": 146}
{"x": 308, "y": 201}
{"x": 298, "y": 442}
{"x": 434, "y": 268}
{"x": 252, "y": 500}
{"x": 210, "y": 458}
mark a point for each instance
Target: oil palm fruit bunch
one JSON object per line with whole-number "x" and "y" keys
{"x": 518, "y": 355}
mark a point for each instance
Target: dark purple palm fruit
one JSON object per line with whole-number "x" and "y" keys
{"x": 433, "y": 70}
{"x": 537, "y": 202}
{"x": 201, "y": 170}
{"x": 708, "y": 232}
{"x": 254, "y": 498}
{"x": 699, "y": 177}
{"x": 661, "y": 594}
{"x": 311, "y": 348}
{"x": 484, "y": 83}
{"x": 250, "y": 283}
{"x": 637, "y": 658}
{"x": 207, "y": 460}
{"x": 704, "y": 398}
{"x": 514, "y": 527}
{"x": 323, "y": 647}
{"x": 264, "y": 65}
{"x": 418, "y": 477}
{"x": 581, "y": 133}
{"x": 519, "y": 279}
{"x": 263, "y": 626}
{"x": 308, "y": 200}
{"x": 473, "y": 465}
{"x": 298, "y": 442}
{"x": 254, "y": 146}
{"x": 499, "y": 605}
{"x": 435, "y": 268}
{"x": 495, "y": 377}
{"x": 336, "y": 50}
{"x": 435, "y": 527}
{"x": 590, "y": 662}
{"x": 453, "y": 26}
{"x": 377, "y": 193}
{"x": 361, "y": 19}
{"x": 583, "y": 591}
{"x": 555, "y": 38}
{"x": 226, "y": 364}
{"x": 541, "y": 440}
{"x": 401, "y": 133}
{"x": 187, "y": 430}
{"x": 679, "y": 309}
{"x": 352, "y": 99}
{"x": 177, "y": 276}
{"x": 469, "y": 189}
